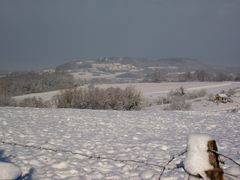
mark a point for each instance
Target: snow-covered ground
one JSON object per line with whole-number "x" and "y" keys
{"x": 149, "y": 135}
{"x": 203, "y": 104}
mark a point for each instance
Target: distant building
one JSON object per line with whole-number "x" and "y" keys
{"x": 48, "y": 71}
{"x": 223, "y": 98}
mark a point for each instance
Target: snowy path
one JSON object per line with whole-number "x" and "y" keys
{"x": 147, "y": 135}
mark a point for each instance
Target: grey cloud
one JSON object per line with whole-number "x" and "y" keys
{"x": 46, "y": 33}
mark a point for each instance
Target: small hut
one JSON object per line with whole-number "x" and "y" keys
{"x": 221, "y": 97}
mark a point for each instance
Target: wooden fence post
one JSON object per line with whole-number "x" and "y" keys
{"x": 202, "y": 158}
{"x": 216, "y": 173}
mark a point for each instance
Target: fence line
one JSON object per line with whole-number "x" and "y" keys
{"x": 172, "y": 158}
{"x": 225, "y": 157}
{"x": 82, "y": 154}
{"x": 98, "y": 157}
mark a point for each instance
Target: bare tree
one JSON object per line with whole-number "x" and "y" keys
{"x": 5, "y": 98}
{"x": 32, "y": 82}
{"x": 201, "y": 75}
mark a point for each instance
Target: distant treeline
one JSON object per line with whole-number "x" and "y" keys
{"x": 32, "y": 82}
{"x": 199, "y": 75}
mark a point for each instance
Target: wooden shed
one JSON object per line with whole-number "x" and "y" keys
{"x": 221, "y": 97}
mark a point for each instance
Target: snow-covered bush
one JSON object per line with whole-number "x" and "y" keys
{"x": 177, "y": 99}
{"x": 196, "y": 94}
{"x": 211, "y": 97}
{"x": 96, "y": 98}
{"x": 178, "y": 103}
{"x": 177, "y": 92}
{"x": 132, "y": 98}
{"x": 231, "y": 92}
{"x": 163, "y": 100}
{"x": 65, "y": 98}
{"x": 180, "y": 96}
{"x": 181, "y": 92}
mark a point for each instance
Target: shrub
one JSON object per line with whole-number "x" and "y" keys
{"x": 177, "y": 99}
{"x": 201, "y": 93}
{"x": 177, "y": 92}
{"x": 96, "y": 98}
{"x": 32, "y": 102}
{"x": 211, "y": 97}
{"x": 64, "y": 100}
{"x": 181, "y": 92}
{"x": 231, "y": 92}
{"x": 178, "y": 103}
{"x": 196, "y": 94}
{"x": 163, "y": 100}
{"x": 179, "y": 96}
{"x": 132, "y": 99}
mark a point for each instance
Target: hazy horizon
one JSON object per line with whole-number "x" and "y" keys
{"x": 43, "y": 34}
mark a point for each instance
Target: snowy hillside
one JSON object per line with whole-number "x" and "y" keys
{"x": 127, "y": 69}
{"x": 149, "y": 136}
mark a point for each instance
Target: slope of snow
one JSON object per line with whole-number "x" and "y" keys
{"x": 149, "y": 135}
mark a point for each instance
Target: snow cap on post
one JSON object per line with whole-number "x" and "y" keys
{"x": 197, "y": 160}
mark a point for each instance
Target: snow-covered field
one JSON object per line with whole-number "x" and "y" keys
{"x": 152, "y": 90}
{"x": 151, "y": 135}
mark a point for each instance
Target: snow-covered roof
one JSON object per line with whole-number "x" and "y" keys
{"x": 222, "y": 95}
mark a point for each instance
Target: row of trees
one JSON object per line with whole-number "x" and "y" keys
{"x": 25, "y": 83}
{"x": 31, "y": 82}
{"x": 199, "y": 75}
{"x": 5, "y": 98}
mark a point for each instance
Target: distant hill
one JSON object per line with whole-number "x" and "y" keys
{"x": 130, "y": 69}
{"x": 169, "y": 63}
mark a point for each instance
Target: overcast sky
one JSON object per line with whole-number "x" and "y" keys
{"x": 44, "y": 33}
